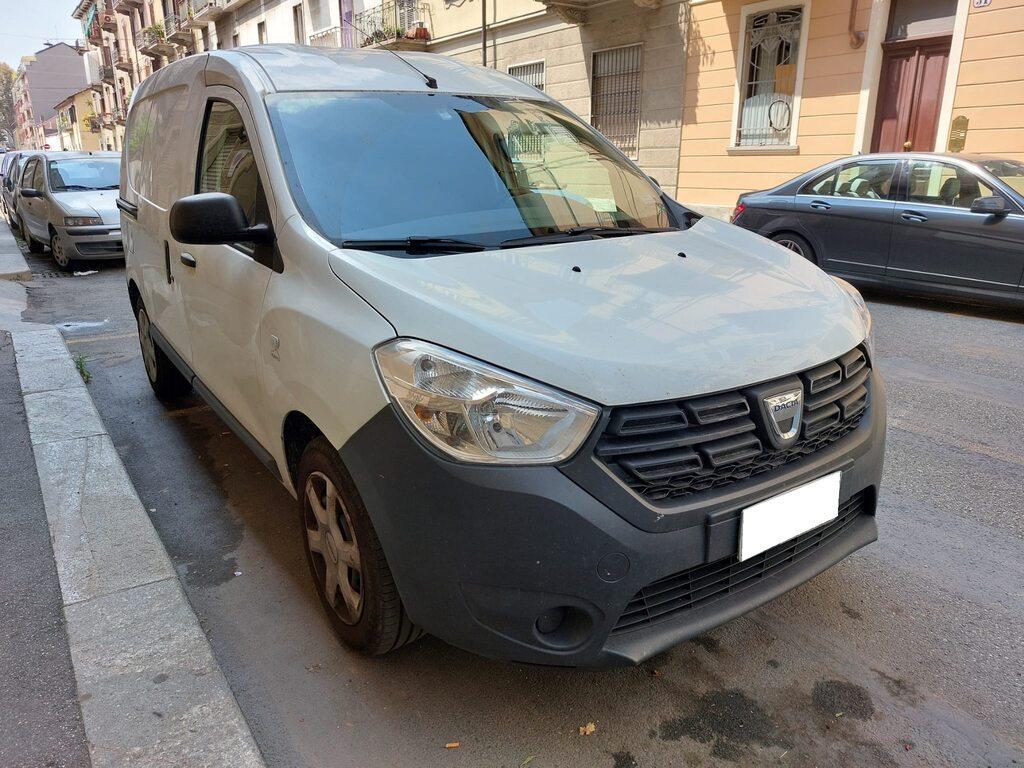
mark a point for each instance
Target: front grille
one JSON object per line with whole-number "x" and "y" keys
{"x": 681, "y": 592}
{"x": 667, "y": 451}
{"x": 96, "y": 247}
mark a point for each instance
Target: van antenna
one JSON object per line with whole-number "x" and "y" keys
{"x": 431, "y": 82}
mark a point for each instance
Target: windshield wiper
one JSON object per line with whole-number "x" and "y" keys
{"x": 574, "y": 232}
{"x": 74, "y": 188}
{"x": 415, "y": 245}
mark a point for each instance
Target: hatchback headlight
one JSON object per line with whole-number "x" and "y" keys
{"x": 862, "y": 311}
{"x": 477, "y": 413}
{"x": 82, "y": 221}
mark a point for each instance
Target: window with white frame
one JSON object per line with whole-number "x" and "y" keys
{"x": 615, "y": 96}
{"x": 531, "y": 74}
{"x": 768, "y": 92}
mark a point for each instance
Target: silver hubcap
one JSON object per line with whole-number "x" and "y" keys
{"x": 333, "y": 545}
{"x": 146, "y": 342}
{"x": 787, "y": 243}
{"x": 57, "y": 249}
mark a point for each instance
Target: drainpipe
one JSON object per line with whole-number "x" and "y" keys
{"x": 483, "y": 30}
{"x": 856, "y": 38}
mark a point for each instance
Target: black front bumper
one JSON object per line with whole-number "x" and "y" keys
{"x": 480, "y": 553}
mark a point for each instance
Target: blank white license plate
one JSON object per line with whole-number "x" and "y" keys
{"x": 789, "y": 514}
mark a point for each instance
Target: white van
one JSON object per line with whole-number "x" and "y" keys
{"x": 526, "y": 402}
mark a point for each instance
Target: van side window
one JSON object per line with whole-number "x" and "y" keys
{"x": 227, "y": 163}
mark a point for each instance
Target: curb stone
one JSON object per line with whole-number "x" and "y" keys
{"x": 12, "y": 261}
{"x": 150, "y": 690}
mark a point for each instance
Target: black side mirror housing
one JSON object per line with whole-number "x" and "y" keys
{"x": 30, "y": 192}
{"x": 214, "y": 218}
{"x": 993, "y": 206}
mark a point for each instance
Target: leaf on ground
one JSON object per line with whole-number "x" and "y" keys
{"x": 526, "y": 762}
{"x": 453, "y": 745}
{"x": 586, "y": 730}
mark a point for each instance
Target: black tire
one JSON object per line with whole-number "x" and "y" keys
{"x": 380, "y": 624}
{"x": 33, "y": 246}
{"x": 797, "y": 244}
{"x": 58, "y": 254}
{"x": 166, "y": 380}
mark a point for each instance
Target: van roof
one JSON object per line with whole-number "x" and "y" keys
{"x": 305, "y": 68}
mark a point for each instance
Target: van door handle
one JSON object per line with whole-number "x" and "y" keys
{"x": 913, "y": 216}
{"x": 821, "y": 205}
{"x": 188, "y": 259}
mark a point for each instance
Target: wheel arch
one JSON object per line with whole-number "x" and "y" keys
{"x": 297, "y": 431}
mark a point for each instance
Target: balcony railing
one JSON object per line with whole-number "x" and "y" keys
{"x": 153, "y": 43}
{"x": 123, "y": 63}
{"x": 107, "y": 74}
{"x": 204, "y": 11}
{"x": 333, "y": 37}
{"x": 176, "y": 31}
{"x": 95, "y": 34}
{"x": 126, "y": 6}
{"x": 396, "y": 24}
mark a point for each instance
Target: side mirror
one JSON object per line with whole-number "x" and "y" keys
{"x": 30, "y": 192}
{"x": 214, "y": 218}
{"x": 991, "y": 206}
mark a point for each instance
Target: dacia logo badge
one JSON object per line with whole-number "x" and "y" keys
{"x": 785, "y": 411}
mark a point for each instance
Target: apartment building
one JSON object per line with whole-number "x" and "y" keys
{"x": 712, "y": 98}
{"x": 127, "y": 41}
{"x": 775, "y": 88}
{"x": 42, "y": 80}
{"x": 78, "y": 124}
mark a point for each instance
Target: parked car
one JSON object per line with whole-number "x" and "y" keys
{"x": 950, "y": 225}
{"x": 9, "y": 172}
{"x": 526, "y": 402}
{"x": 68, "y": 200}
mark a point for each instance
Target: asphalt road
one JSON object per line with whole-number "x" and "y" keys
{"x": 909, "y": 653}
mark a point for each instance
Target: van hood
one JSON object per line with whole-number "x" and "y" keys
{"x": 621, "y": 320}
{"x": 95, "y": 202}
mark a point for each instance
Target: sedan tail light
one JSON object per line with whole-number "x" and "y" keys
{"x": 737, "y": 211}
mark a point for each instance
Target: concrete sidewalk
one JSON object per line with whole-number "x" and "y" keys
{"x": 12, "y": 261}
{"x": 149, "y": 690}
{"x": 40, "y": 722}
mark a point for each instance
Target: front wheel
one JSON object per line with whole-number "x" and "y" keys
{"x": 346, "y": 561}
{"x": 167, "y": 381}
{"x": 59, "y": 253}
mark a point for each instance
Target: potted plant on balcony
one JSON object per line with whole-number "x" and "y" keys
{"x": 155, "y": 30}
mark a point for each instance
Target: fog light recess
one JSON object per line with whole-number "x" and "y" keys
{"x": 564, "y": 626}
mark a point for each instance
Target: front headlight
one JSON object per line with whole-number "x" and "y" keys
{"x": 82, "y": 221}
{"x": 862, "y": 310}
{"x": 477, "y": 413}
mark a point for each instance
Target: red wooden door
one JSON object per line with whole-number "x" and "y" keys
{"x": 910, "y": 94}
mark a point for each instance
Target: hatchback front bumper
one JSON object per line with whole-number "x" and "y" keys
{"x": 92, "y": 242}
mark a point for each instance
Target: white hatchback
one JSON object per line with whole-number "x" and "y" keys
{"x": 526, "y": 402}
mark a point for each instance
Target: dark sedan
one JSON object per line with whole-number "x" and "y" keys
{"x": 950, "y": 225}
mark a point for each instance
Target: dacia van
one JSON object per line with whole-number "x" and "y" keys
{"x": 526, "y": 402}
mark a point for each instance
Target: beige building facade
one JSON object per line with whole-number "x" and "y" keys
{"x": 712, "y": 98}
{"x": 78, "y": 124}
{"x": 776, "y": 88}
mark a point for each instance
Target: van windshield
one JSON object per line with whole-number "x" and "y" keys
{"x": 488, "y": 170}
